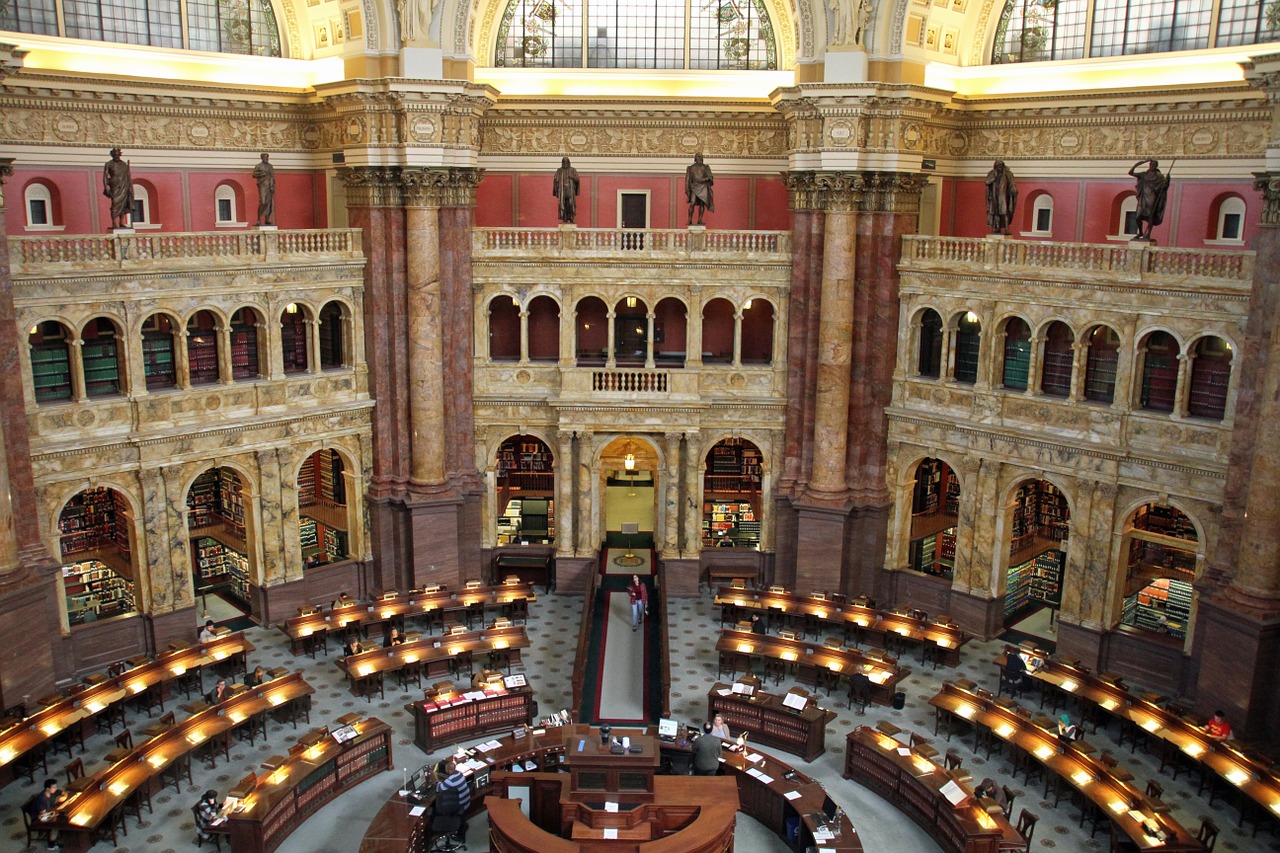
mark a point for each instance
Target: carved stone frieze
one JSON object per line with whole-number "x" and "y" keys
{"x": 651, "y": 133}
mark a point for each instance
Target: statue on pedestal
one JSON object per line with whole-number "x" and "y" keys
{"x": 697, "y": 188}
{"x": 565, "y": 188}
{"x": 117, "y": 185}
{"x": 1002, "y": 198}
{"x": 1153, "y": 191}
{"x": 265, "y": 174}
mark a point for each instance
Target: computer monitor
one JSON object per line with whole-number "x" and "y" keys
{"x": 416, "y": 780}
{"x": 829, "y": 808}
{"x": 668, "y": 728}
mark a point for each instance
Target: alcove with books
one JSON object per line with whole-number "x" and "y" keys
{"x": 1038, "y": 527}
{"x": 323, "y": 525}
{"x": 98, "y": 571}
{"x": 1162, "y": 551}
{"x": 731, "y": 505}
{"x": 935, "y": 507}
{"x": 220, "y": 562}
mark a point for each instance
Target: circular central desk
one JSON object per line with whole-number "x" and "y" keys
{"x": 782, "y": 798}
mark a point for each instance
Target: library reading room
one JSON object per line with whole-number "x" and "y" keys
{"x": 508, "y": 410}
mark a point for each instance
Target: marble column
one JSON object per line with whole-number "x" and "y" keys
{"x": 427, "y": 471}
{"x": 585, "y": 477}
{"x": 568, "y": 327}
{"x": 179, "y": 583}
{"x": 524, "y": 337}
{"x": 610, "y": 359}
{"x": 1182, "y": 385}
{"x": 312, "y": 325}
{"x": 1078, "y": 352}
{"x": 223, "y": 331}
{"x": 737, "y": 338}
{"x": 1033, "y": 367}
{"x": 282, "y": 553}
{"x": 671, "y": 495}
{"x": 648, "y": 348}
{"x": 564, "y": 469}
{"x": 78, "y": 391}
{"x": 693, "y": 473}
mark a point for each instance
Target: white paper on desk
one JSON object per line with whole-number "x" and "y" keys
{"x": 755, "y": 756}
{"x": 792, "y": 795}
{"x": 474, "y": 694}
{"x": 725, "y": 692}
{"x": 417, "y": 811}
{"x": 765, "y": 779}
{"x": 611, "y": 807}
{"x": 822, "y": 834}
{"x": 488, "y": 746}
{"x": 754, "y": 771}
{"x": 903, "y": 751}
{"x": 954, "y": 793}
{"x": 610, "y": 834}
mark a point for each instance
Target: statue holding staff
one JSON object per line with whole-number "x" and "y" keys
{"x": 1002, "y": 198}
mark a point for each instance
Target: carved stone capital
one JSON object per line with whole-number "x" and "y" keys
{"x": 448, "y": 187}
{"x": 372, "y": 186}
{"x": 892, "y": 192}
{"x": 1268, "y": 184}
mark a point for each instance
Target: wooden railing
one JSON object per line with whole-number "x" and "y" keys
{"x": 585, "y": 631}
{"x": 643, "y": 242}
{"x": 664, "y": 635}
{"x": 89, "y": 252}
{"x": 1134, "y": 262}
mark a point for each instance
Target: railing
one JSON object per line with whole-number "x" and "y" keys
{"x": 585, "y": 633}
{"x": 115, "y": 251}
{"x": 630, "y": 381}
{"x": 1130, "y": 262}
{"x": 622, "y": 241}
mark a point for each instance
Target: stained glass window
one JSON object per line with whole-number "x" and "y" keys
{"x": 222, "y": 26}
{"x": 672, "y": 34}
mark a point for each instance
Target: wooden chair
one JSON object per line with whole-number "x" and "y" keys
{"x": 859, "y": 692}
{"x": 151, "y": 697}
{"x": 367, "y": 685}
{"x": 474, "y": 615}
{"x": 124, "y": 744}
{"x": 500, "y": 659}
{"x": 219, "y": 742}
{"x": 410, "y": 672}
{"x": 953, "y": 760}
{"x": 462, "y": 663}
{"x": 1009, "y": 796}
{"x": 176, "y": 769}
{"x": 108, "y": 826}
{"x": 1027, "y": 826}
{"x": 74, "y": 770}
{"x": 776, "y": 669}
{"x": 1155, "y": 789}
{"x": 517, "y": 610}
{"x": 1208, "y": 835}
{"x": 67, "y": 738}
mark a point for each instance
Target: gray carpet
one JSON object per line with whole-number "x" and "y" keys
{"x": 695, "y": 625}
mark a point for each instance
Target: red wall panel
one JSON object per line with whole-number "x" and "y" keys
{"x": 494, "y": 201}
{"x": 773, "y": 212}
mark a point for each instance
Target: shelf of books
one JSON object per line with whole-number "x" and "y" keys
{"x": 93, "y": 520}
{"x": 1033, "y": 584}
{"x": 244, "y": 352}
{"x": 101, "y": 366}
{"x": 1164, "y": 606}
{"x": 935, "y": 554}
{"x": 157, "y": 359}
{"x": 202, "y": 356}
{"x": 1040, "y": 515}
{"x": 526, "y": 465}
{"x": 734, "y": 520}
{"x": 51, "y": 371}
{"x": 96, "y": 591}
{"x": 733, "y": 466}
{"x": 219, "y": 567}
{"x": 438, "y": 724}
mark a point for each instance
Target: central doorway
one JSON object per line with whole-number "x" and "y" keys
{"x": 630, "y": 469}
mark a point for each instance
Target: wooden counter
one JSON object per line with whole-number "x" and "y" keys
{"x": 809, "y": 659}
{"x": 279, "y": 802}
{"x": 80, "y": 815}
{"x": 1116, "y": 796}
{"x": 945, "y": 637}
{"x": 767, "y": 721}
{"x": 913, "y": 784}
{"x": 22, "y": 736}
{"x": 443, "y": 647}
{"x": 415, "y": 603}
{"x": 435, "y": 726}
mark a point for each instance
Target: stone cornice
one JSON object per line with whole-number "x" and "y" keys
{"x": 866, "y": 192}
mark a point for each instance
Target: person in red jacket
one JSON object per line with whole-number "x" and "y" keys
{"x": 638, "y": 593}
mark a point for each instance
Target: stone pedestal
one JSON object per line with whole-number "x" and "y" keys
{"x": 820, "y": 539}
{"x": 1237, "y": 656}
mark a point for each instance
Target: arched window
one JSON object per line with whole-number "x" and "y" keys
{"x": 544, "y": 329}
{"x": 50, "y": 361}
{"x": 1210, "y": 378}
{"x": 757, "y": 332}
{"x": 647, "y": 34}
{"x": 333, "y": 353}
{"x": 1042, "y": 215}
{"x": 504, "y": 329}
{"x": 140, "y": 216}
{"x": 1017, "y": 354}
{"x": 244, "y": 28}
{"x": 246, "y": 328}
{"x": 295, "y": 349}
{"x": 157, "y": 352}
{"x": 1230, "y": 221}
{"x": 1037, "y": 30}
{"x": 630, "y": 331}
{"x": 592, "y": 331}
{"x": 717, "y": 332}
{"x": 42, "y": 214}
{"x": 1101, "y": 363}
{"x": 929, "y": 362}
{"x": 1159, "y": 372}
{"x": 202, "y": 348}
{"x": 968, "y": 341}
{"x": 227, "y": 207}
{"x": 670, "y": 332}
{"x": 101, "y": 357}
{"x": 1055, "y": 363}
{"x": 1127, "y": 226}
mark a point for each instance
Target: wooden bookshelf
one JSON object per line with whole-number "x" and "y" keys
{"x": 767, "y": 721}
{"x": 51, "y": 371}
{"x": 435, "y": 726}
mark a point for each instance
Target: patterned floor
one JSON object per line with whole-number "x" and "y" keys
{"x": 694, "y": 624}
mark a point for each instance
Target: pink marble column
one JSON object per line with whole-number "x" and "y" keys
{"x": 426, "y": 383}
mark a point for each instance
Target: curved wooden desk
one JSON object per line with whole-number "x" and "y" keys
{"x": 769, "y": 790}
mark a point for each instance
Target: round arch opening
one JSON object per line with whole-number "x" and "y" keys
{"x": 526, "y": 484}
{"x": 95, "y": 544}
{"x": 1038, "y": 520}
{"x": 1161, "y": 554}
{"x": 221, "y": 566}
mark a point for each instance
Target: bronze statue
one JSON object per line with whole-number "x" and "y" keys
{"x": 697, "y": 188}
{"x": 117, "y": 185}
{"x": 1002, "y": 198}
{"x": 1152, "y": 190}
{"x": 265, "y": 174}
{"x": 565, "y": 188}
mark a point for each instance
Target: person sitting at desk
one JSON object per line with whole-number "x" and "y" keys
{"x": 341, "y": 601}
{"x": 453, "y": 799}
{"x": 208, "y": 632}
{"x": 1015, "y": 671}
{"x": 706, "y": 753}
{"x": 1218, "y": 728}
{"x": 719, "y": 728}
{"x": 988, "y": 789}
{"x": 207, "y": 811}
{"x": 1067, "y": 731}
{"x": 257, "y": 677}
{"x": 352, "y": 647}
{"x": 220, "y": 693}
{"x": 44, "y": 808}
{"x": 393, "y": 639}
{"x": 757, "y": 624}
